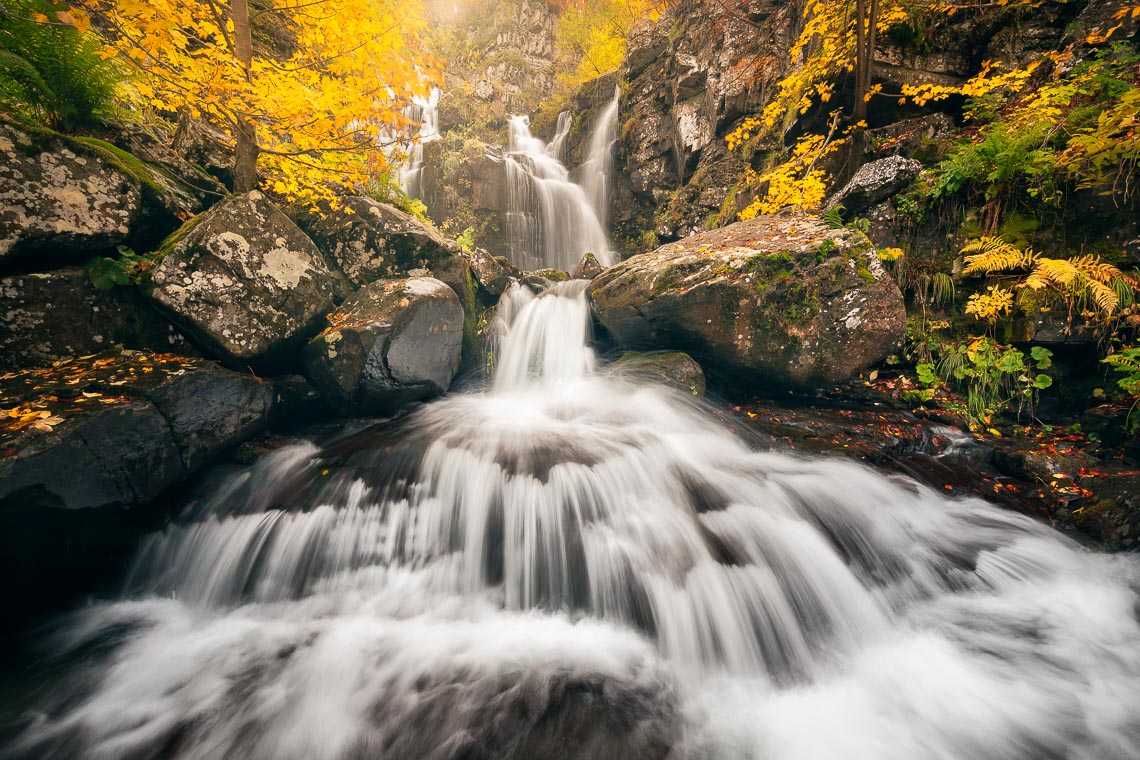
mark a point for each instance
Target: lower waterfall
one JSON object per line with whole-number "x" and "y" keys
{"x": 568, "y": 564}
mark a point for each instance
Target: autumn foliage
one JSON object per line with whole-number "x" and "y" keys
{"x": 321, "y": 83}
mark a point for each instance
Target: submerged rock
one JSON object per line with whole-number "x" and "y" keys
{"x": 59, "y": 199}
{"x": 245, "y": 281}
{"x": 394, "y": 342}
{"x": 53, "y": 315}
{"x": 673, "y": 368}
{"x": 782, "y": 299}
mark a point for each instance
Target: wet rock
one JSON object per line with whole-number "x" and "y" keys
{"x": 491, "y": 274}
{"x": 672, "y": 368}
{"x": 244, "y": 281}
{"x": 875, "y": 182}
{"x": 541, "y": 279}
{"x": 59, "y": 199}
{"x": 54, "y": 315}
{"x": 118, "y": 431}
{"x": 392, "y": 343}
{"x": 782, "y": 299}
{"x": 1113, "y": 516}
{"x": 588, "y": 268}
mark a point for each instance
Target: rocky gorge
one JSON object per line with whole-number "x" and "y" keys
{"x": 492, "y": 441}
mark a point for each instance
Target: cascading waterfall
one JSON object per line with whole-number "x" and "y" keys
{"x": 597, "y": 171}
{"x": 551, "y": 221}
{"x": 426, "y": 112}
{"x": 571, "y": 565}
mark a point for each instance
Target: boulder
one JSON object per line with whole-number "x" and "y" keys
{"x": 588, "y": 268}
{"x": 202, "y": 189}
{"x": 53, "y": 315}
{"x": 205, "y": 146}
{"x": 875, "y": 182}
{"x": 92, "y": 441}
{"x": 782, "y": 299}
{"x": 392, "y": 343}
{"x": 491, "y": 274}
{"x": 59, "y": 199}
{"x": 371, "y": 241}
{"x": 672, "y": 368}
{"x": 244, "y": 281}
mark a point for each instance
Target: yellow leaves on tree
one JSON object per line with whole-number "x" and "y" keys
{"x": 322, "y": 89}
{"x": 795, "y": 182}
{"x": 594, "y": 32}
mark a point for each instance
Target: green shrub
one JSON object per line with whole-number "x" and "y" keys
{"x": 50, "y": 72}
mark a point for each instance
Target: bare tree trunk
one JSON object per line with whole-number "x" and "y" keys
{"x": 245, "y": 132}
{"x": 866, "y": 21}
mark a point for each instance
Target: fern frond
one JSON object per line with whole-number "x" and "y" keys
{"x": 1059, "y": 272}
{"x": 1103, "y": 296}
{"x": 992, "y": 254}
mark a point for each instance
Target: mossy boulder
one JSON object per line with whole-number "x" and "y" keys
{"x": 60, "y": 201}
{"x": 392, "y": 343}
{"x": 778, "y": 299}
{"x": 245, "y": 282}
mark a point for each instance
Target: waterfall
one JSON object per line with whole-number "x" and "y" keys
{"x": 566, "y": 564}
{"x": 597, "y": 172}
{"x": 550, "y": 221}
{"x": 426, "y": 112}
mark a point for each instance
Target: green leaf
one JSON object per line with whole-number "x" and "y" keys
{"x": 106, "y": 273}
{"x": 1042, "y": 381}
{"x": 1043, "y": 357}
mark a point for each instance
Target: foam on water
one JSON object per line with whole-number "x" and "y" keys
{"x": 571, "y": 565}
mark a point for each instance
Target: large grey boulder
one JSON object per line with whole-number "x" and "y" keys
{"x": 781, "y": 299}
{"x": 875, "y": 182}
{"x": 110, "y": 434}
{"x": 53, "y": 315}
{"x": 59, "y": 199}
{"x": 392, "y": 343}
{"x": 371, "y": 241}
{"x": 244, "y": 281}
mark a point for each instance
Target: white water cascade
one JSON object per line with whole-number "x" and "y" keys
{"x": 597, "y": 171}
{"x": 568, "y": 565}
{"x": 426, "y": 112}
{"x": 551, "y": 221}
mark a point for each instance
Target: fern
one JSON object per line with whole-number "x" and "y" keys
{"x": 992, "y": 254}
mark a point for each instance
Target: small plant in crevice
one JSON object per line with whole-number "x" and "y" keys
{"x": 105, "y": 273}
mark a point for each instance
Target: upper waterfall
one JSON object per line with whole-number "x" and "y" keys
{"x": 597, "y": 171}
{"x": 551, "y": 221}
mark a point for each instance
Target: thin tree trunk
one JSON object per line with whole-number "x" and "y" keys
{"x": 245, "y": 133}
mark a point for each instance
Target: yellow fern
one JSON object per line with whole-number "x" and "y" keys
{"x": 992, "y": 254}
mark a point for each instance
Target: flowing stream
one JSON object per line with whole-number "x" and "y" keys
{"x": 571, "y": 565}
{"x": 551, "y": 221}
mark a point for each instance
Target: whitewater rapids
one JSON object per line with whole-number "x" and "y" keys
{"x": 571, "y": 565}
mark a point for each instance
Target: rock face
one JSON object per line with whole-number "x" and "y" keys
{"x": 118, "y": 430}
{"x": 58, "y": 314}
{"x": 244, "y": 281}
{"x": 672, "y": 368}
{"x": 781, "y": 299}
{"x": 588, "y": 268}
{"x": 875, "y": 182}
{"x": 59, "y": 200}
{"x": 394, "y": 342}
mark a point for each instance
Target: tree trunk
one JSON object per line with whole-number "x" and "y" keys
{"x": 245, "y": 131}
